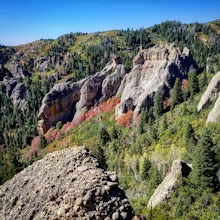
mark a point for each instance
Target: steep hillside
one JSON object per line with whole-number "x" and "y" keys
{"x": 131, "y": 97}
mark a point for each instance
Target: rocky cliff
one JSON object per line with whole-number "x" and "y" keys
{"x": 14, "y": 90}
{"x": 68, "y": 100}
{"x": 155, "y": 67}
{"x": 164, "y": 191}
{"x": 68, "y": 184}
{"x": 212, "y": 93}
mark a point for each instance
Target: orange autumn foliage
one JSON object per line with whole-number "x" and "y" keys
{"x": 104, "y": 107}
{"x": 125, "y": 120}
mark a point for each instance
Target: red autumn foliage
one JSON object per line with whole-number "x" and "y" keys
{"x": 80, "y": 119}
{"x": 104, "y": 107}
{"x": 52, "y": 134}
{"x": 34, "y": 147}
{"x": 66, "y": 127}
{"x": 108, "y": 105}
{"x": 125, "y": 120}
{"x": 90, "y": 114}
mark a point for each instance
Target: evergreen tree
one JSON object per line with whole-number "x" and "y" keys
{"x": 142, "y": 122}
{"x": 203, "y": 82}
{"x": 154, "y": 180}
{"x": 103, "y": 135}
{"x": 145, "y": 169}
{"x": 189, "y": 138}
{"x": 204, "y": 173}
{"x": 177, "y": 96}
{"x": 158, "y": 103}
{"x": 193, "y": 84}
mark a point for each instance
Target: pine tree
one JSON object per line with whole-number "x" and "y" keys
{"x": 189, "y": 138}
{"x": 103, "y": 135}
{"x": 193, "y": 84}
{"x": 145, "y": 169}
{"x": 154, "y": 180}
{"x": 177, "y": 96}
{"x": 158, "y": 103}
{"x": 142, "y": 122}
{"x": 203, "y": 82}
{"x": 204, "y": 173}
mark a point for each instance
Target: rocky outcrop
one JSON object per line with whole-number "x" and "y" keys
{"x": 68, "y": 100}
{"x": 214, "y": 114}
{"x": 62, "y": 64}
{"x": 17, "y": 96}
{"x": 168, "y": 186}
{"x": 59, "y": 104}
{"x": 91, "y": 90}
{"x": 101, "y": 86}
{"x": 17, "y": 70}
{"x": 152, "y": 68}
{"x": 15, "y": 91}
{"x": 68, "y": 184}
{"x": 211, "y": 92}
{"x": 112, "y": 82}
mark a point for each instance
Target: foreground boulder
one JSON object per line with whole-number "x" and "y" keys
{"x": 164, "y": 191}
{"x": 68, "y": 184}
{"x": 153, "y": 68}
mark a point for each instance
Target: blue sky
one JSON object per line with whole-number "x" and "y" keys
{"x": 24, "y": 21}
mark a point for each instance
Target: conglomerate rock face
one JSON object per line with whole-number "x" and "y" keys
{"x": 68, "y": 184}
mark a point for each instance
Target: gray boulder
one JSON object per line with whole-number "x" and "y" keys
{"x": 16, "y": 92}
{"x": 67, "y": 184}
{"x": 17, "y": 96}
{"x": 214, "y": 114}
{"x": 164, "y": 191}
{"x": 17, "y": 70}
{"x": 211, "y": 92}
{"x": 153, "y": 68}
